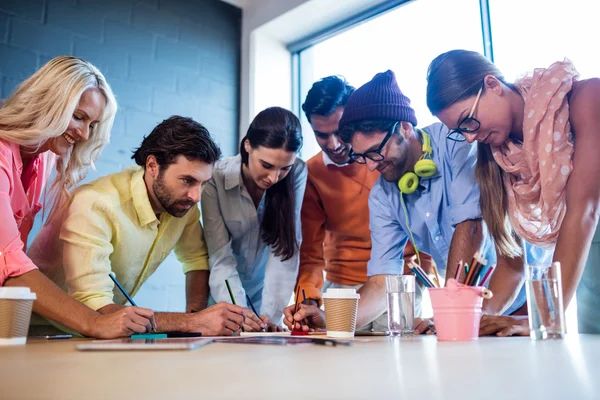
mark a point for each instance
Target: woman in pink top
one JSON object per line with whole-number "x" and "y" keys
{"x": 62, "y": 114}
{"x": 538, "y": 167}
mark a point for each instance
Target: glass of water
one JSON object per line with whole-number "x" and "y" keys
{"x": 400, "y": 291}
{"x": 545, "y": 301}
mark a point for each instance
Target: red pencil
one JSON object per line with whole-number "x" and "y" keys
{"x": 487, "y": 275}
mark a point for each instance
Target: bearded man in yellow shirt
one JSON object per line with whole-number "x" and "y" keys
{"x": 127, "y": 223}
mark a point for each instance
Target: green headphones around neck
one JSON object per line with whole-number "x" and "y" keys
{"x": 424, "y": 168}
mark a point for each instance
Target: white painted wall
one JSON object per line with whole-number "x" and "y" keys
{"x": 268, "y": 26}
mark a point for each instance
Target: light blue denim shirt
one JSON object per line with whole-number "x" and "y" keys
{"x": 440, "y": 203}
{"x": 235, "y": 247}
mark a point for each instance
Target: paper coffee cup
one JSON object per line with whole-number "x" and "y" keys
{"x": 15, "y": 313}
{"x": 341, "y": 307}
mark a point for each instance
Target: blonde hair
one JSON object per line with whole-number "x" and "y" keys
{"x": 41, "y": 108}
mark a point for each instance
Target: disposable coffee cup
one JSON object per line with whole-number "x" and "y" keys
{"x": 15, "y": 313}
{"x": 341, "y": 307}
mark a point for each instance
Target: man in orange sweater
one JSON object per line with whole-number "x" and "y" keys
{"x": 335, "y": 212}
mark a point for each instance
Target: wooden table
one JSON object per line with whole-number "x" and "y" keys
{"x": 372, "y": 368}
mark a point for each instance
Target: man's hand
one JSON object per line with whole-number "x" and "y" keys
{"x": 504, "y": 326}
{"x": 269, "y": 326}
{"x": 222, "y": 319}
{"x": 123, "y": 322}
{"x": 253, "y": 323}
{"x": 311, "y": 315}
{"x": 425, "y": 326}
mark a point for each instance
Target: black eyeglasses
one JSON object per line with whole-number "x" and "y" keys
{"x": 374, "y": 155}
{"x": 467, "y": 125}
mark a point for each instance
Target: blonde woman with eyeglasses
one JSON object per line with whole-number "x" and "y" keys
{"x": 61, "y": 115}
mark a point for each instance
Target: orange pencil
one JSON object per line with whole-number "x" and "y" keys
{"x": 472, "y": 267}
{"x": 295, "y": 308}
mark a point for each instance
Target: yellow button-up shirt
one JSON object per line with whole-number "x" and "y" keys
{"x": 110, "y": 226}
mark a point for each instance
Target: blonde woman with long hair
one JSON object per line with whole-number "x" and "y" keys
{"x": 61, "y": 115}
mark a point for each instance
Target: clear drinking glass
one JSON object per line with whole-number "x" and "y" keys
{"x": 400, "y": 291}
{"x": 545, "y": 301}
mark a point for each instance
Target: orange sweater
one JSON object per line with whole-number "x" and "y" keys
{"x": 335, "y": 226}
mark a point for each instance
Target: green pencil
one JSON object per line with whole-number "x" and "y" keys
{"x": 230, "y": 292}
{"x": 232, "y": 298}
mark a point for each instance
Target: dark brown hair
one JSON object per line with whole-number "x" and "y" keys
{"x": 326, "y": 95}
{"x": 177, "y": 136}
{"x": 277, "y": 128}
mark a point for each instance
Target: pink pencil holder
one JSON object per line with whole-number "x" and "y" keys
{"x": 456, "y": 312}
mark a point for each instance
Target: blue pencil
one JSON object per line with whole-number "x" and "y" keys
{"x": 129, "y": 299}
{"x": 418, "y": 275}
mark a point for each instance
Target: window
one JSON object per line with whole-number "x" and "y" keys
{"x": 524, "y": 35}
{"x": 404, "y": 40}
{"x": 531, "y": 34}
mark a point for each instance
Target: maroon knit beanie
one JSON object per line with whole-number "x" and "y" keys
{"x": 380, "y": 98}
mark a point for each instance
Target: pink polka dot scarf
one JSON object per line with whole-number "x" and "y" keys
{"x": 538, "y": 169}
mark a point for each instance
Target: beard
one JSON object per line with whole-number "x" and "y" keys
{"x": 392, "y": 171}
{"x": 166, "y": 198}
{"x": 395, "y": 167}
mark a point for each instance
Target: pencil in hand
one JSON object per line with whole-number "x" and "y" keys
{"x": 254, "y": 310}
{"x": 129, "y": 299}
{"x": 233, "y": 300}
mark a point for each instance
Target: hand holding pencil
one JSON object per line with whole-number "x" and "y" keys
{"x": 307, "y": 318}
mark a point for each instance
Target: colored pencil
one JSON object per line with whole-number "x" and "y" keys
{"x": 474, "y": 262}
{"x": 477, "y": 275}
{"x": 472, "y": 269}
{"x": 295, "y": 307}
{"x": 487, "y": 275}
{"x": 129, "y": 299}
{"x": 457, "y": 275}
{"x": 424, "y": 274}
{"x": 437, "y": 276}
{"x": 230, "y": 292}
{"x": 420, "y": 275}
{"x": 253, "y": 309}
{"x": 475, "y": 258}
{"x": 232, "y": 299}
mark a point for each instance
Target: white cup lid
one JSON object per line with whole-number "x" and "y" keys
{"x": 341, "y": 294}
{"x": 16, "y": 293}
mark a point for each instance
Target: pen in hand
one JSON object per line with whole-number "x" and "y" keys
{"x": 129, "y": 299}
